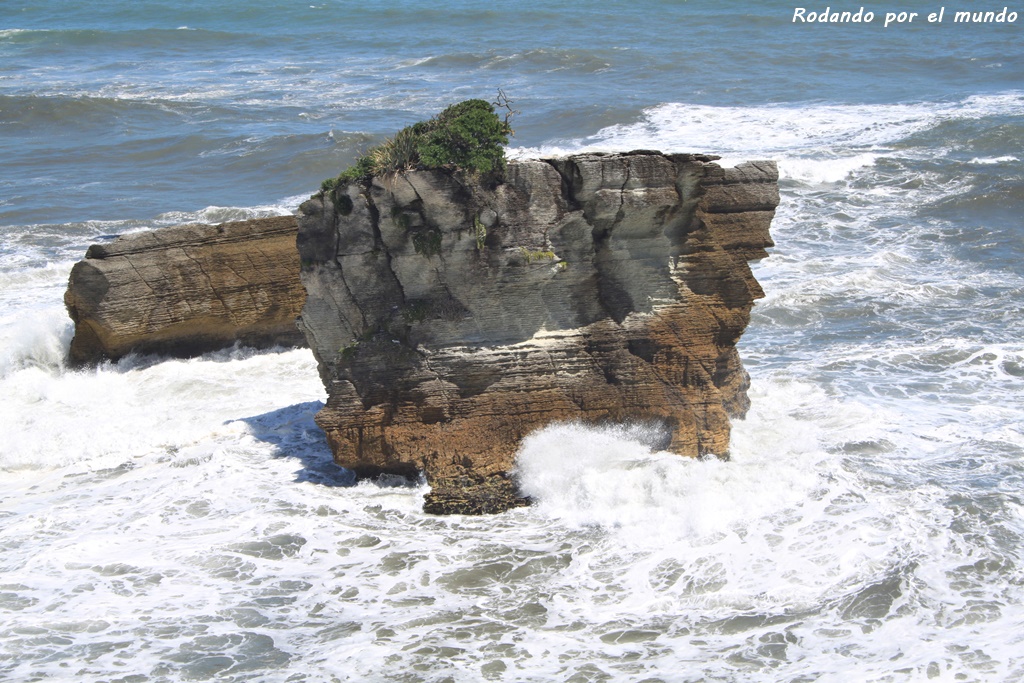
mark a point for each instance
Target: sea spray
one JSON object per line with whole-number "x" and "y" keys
{"x": 39, "y": 338}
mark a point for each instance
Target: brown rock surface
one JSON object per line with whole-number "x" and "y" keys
{"x": 187, "y": 289}
{"x": 450, "y": 318}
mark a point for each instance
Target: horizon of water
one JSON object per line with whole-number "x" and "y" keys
{"x": 170, "y": 520}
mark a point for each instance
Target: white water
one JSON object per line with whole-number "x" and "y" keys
{"x": 211, "y": 543}
{"x": 181, "y": 520}
{"x": 812, "y": 144}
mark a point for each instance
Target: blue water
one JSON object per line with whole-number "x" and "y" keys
{"x": 127, "y": 110}
{"x": 176, "y": 520}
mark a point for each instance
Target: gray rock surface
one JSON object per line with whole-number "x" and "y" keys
{"x": 450, "y": 317}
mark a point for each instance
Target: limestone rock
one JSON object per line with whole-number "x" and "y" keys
{"x": 451, "y": 318}
{"x": 187, "y": 289}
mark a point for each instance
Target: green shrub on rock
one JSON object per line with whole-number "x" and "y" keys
{"x": 467, "y": 136}
{"x": 363, "y": 168}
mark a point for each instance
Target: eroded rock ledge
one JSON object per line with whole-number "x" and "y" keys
{"x": 187, "y": 289}
{"x": 450, "y": 318}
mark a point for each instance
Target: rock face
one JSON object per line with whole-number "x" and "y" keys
{"x": 451, "y": 318}
{"x": 187, "y": 289}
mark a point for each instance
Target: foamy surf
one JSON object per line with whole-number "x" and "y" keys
{"x": 182, "y": 520}
{"x": 813, "y": 144}
{"x": 224, "y": 214}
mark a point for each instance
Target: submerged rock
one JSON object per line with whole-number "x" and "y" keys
{"x": 450, "y": 317}
{"x": 187, "y": 289}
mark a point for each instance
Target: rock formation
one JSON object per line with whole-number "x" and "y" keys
{"x": 451, "y": 316}
{"x": 187, "y": 289}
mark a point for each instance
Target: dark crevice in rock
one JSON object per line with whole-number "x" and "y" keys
{"x": 643, "y": 348}
{"x": 621, "y": 213}
{"x": 614, "y": 298}
{"x": 379, "y": 245}
{"x": 567, "y": 183}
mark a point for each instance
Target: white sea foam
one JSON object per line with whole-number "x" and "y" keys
{"x": 209, "y": 516}
{"x": 814, "y": 171}
{"x": 792, "y": 523}
{"x": 50, "y": 411}
{"x": 769, "y": 129}
{"x": 812, "y": 143}
{"x": 223, "y": 214}
{"x": 609, "y": 478}
{"x": 34, "y": 339}
{"x": 984, "y": 161}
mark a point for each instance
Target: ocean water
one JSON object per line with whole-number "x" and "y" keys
{"x": 181, "y": 520}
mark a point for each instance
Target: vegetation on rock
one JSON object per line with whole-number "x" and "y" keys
{"x": 427, "y": 242}
{"x": 469, "y": 136}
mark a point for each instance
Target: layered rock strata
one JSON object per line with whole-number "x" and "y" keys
{"x": 451, "y": 317}
{"x": 187, "y": 289}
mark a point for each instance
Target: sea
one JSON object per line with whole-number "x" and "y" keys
{"x": 169, "y": 520}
